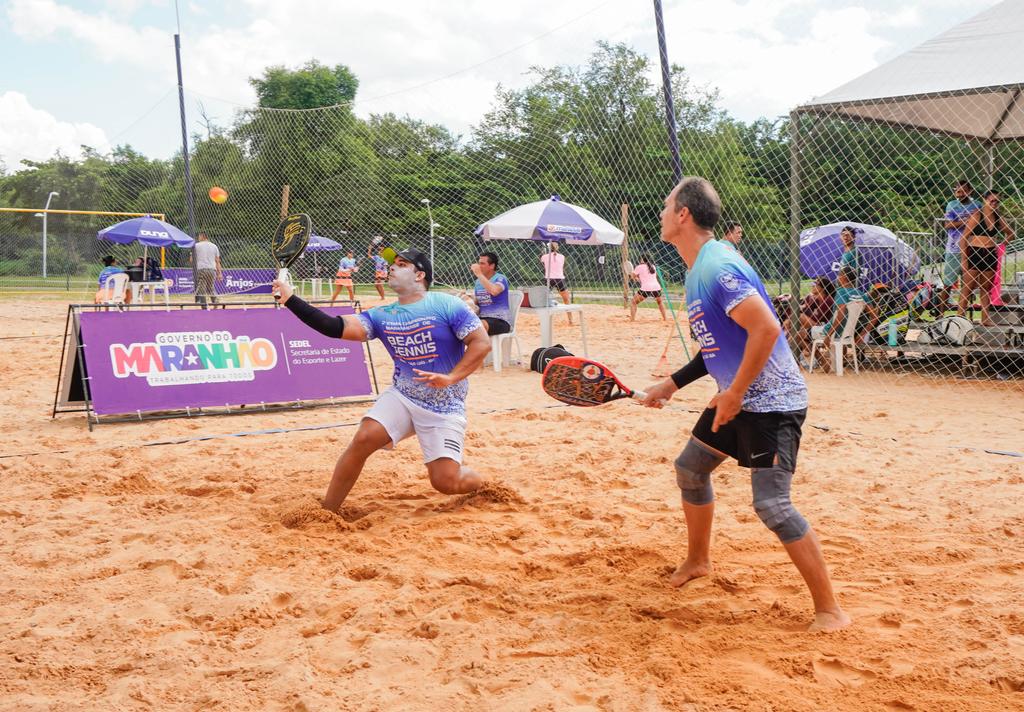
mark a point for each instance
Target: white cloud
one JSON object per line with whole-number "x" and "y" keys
{"x": 35, "y": 134}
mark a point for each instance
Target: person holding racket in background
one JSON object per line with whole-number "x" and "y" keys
{"x": 435, "y": 342}
{"x": 759, "y": 410}
{"x": 380, "y": 265}
{"x": 646, "y": 273}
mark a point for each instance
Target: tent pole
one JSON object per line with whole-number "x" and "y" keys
{"x": 795, "y": 149}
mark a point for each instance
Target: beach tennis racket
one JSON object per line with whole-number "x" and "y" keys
{"x": 290, "y": 240}
{"x": 583, "y": 382}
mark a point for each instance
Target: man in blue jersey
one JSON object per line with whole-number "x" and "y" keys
{"x": 436, "y": 341}
{"x": 757, "y": 415}
{"x": 490, "y": 292}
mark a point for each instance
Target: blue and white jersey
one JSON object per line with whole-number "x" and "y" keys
{"x": 496, "y": 307}
{"x": 426, "y": 335}
{"x": 346, "y": 264}
{"x": 380, "y": 264}
{"x": 719, "y": 280}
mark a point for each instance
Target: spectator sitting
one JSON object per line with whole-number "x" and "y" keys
{"x": 815, "y": 310}
{"x": 491, "y": 294}
{"x": 846, "y": 292}
{"x": 109, "y": 268}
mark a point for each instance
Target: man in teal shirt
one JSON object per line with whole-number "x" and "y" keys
{"x": 957, "y": 212}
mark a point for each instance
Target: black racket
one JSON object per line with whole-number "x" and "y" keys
{"x": 289, "y": 241}
{"x": 583, "y": 382}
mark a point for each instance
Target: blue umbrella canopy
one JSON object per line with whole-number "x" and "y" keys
{"x": 881, "y": 256}
{"x": 318, "y": 243}
{"x": 147, "y": 231}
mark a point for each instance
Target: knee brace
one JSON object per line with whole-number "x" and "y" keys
{"x": 693, "y": 473}
{"x": 771, "y": 502}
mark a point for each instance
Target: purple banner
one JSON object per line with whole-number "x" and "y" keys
{"x": 172, "y": 360}
{"x": 236, "y": 281}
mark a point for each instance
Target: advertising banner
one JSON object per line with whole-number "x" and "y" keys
{"x": 235, "y": 281}
{"x": 172, "y": 360}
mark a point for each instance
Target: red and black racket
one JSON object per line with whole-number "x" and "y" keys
{"x": 583, "y": 382}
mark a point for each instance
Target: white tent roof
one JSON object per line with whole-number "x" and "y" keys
{"x": 967, "y": 81}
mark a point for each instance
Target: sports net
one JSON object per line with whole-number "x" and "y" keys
{"x": 594, "y": 135}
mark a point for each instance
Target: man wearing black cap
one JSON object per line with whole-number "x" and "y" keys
{"x": 436, "y": 341}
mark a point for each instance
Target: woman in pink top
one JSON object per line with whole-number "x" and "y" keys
{"x": 647, "y": 275}
{"x": 554, "y": 272}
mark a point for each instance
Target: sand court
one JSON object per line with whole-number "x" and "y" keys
{"x": 203, "y": 574}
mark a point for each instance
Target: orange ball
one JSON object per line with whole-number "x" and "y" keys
{"x": 218, "y": 195}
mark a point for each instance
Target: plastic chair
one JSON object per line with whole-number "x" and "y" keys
{"x": 501, "y": 344}
{"x": 847, "y": 338}
{"x": 114, "y": 288}
{"x": 153, "y": 288}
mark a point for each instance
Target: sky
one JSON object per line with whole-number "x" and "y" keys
{"x": 102, "y": 72}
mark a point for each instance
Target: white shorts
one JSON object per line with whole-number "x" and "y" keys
{"x": 440, "y": 435}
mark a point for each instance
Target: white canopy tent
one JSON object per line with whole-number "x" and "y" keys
{"x": 966, "y": 83}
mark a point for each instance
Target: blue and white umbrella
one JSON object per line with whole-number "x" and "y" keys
{"x": 551, "y": 220}
{"x": 881, "y": 256}
{"x": 147, "y": 231}
{"x": 319, "y": 243}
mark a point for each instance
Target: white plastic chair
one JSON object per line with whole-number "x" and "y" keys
{"x": 114, "y": 288}
{"x": 847, "y": 338}
{"x": 501, "y": 344}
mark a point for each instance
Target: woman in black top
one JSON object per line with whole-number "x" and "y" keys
{"x": 979, "y": 253}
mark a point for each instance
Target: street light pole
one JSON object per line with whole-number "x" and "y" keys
{"x": 45, "y": 213}
{"x": 430, "y": 217}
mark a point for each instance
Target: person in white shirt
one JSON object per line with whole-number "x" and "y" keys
{"x": 206, "y": 263}
{"x": 646, "y": 273}
{"x": 554, "y": 272}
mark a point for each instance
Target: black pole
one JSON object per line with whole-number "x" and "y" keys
{"x": 190, "y": 201}
{"x": 670, "y": 107}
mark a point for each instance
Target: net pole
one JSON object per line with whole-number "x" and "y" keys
{"x": 625, "y": 254}
{"x": 670, "y": 106}
{"x": 189, "y": 198}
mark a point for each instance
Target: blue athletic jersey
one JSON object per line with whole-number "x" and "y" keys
{"x": 495, "y": 307}
{"x": 719, "y": 280}
{"x": 955, "y": 210}
{"x": 346, "y": 264}
{"x": 380, "y": 264}
{"x": 106, "y": 272}
{"x": 426, "y": 335}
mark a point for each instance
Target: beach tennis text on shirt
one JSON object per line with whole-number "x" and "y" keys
{"x": 191, "y": 357}
{"x": 412, "y": 340}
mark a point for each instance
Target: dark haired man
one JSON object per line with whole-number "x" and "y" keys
{"x": 490, "y": 292}
{"x": 757, "y": 415}
{"x": 733, "y": 234}
{"x": 435, "y": 342}
{"x": 958, "y": 210}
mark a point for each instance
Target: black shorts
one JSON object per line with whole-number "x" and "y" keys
{"x": 755, "y": 439}
{"x": 653, "y": 293}
{"x": 559, "y": 285}
{"x": 496, "y": 326}
{"x": 982, "y": 259}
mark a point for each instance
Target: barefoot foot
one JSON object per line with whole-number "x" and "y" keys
{"x": 829, "y": 620}
{"x": 687, "y": 571}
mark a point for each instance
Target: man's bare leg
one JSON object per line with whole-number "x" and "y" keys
{"x": 698, "y": 543}
{"x": 809, "y": 561}
{"x": 369, "y": 438}
{"x": 449, "y": 477}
